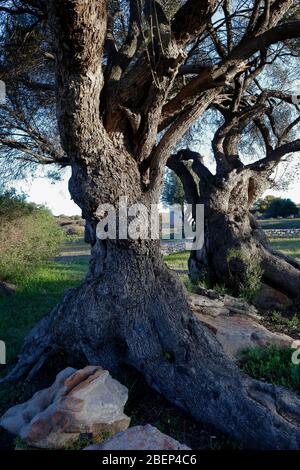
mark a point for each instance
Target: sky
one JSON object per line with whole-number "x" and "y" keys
{"x": 52, "y": 194}
{"x": 56, "y": 197}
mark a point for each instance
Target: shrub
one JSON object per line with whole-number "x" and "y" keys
{"x": 74, "y": 231}
{"x": 245, "y": 273}
{"x": 281, "y": 208}
{"x": 29, "y": 235}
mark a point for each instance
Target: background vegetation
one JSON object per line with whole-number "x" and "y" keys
{"x": 29, "y": 236}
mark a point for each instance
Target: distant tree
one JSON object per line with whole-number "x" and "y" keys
{"x": 281, "y": 208}
{"x": 173, "y": 192}
{"x": 262, "y": 204}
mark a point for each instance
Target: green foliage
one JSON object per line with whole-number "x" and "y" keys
{"x": 29, "y": 235}
{"x": 262, "y": 204}
{"x": 291, "y": 324}
{"x": 274, "y": 365}
{"x": 85, "y": 440}
{"x": 221, "y": 289}
{"x": 173, "y": 192}
{"x": 247, "y": 279}
{"x": 20, "y": 444}
{"x": 281, "y": 208}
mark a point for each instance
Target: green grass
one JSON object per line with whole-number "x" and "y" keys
{"x": 280, "y": 223}
{"x": 36, "y": 294}
{"x": 289, "y": 246}
{"x": 75, "y": 246}
{"x": 177, "y": 261}
{"x": 274, "y": 365}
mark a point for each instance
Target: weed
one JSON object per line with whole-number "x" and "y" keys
{"x": 246, "y": 275}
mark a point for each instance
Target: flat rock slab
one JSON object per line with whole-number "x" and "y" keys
{"x": 140, "y": 438}
{"x": 237, "y": 333}
{"x": 234, "y": 322}
{"x": 87, "y": 401}
{"x": 210, "y": 303}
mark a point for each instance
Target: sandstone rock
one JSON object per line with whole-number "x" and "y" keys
{"x": 239, "y": 332}
{"x": 234, "y": 322}
{"x": 87, "y": 401}
{"x": 213, "y": 304}
{"x": 140, "y": 438}
{"x": 271, "y": 299}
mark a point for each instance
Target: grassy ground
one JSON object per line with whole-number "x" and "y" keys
{"x": 36, "y": 294}
{"x": 39, "y": 291}
{"x": 274, "y": 365}
{"x": 289, "y": 246}
{"x": 280, "y": 223}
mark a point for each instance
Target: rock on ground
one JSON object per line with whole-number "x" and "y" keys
{"x": 87, "y": 401}
{"x": 235, "y": 325}
{"x": 211, "y": 303}
{"x": 140, "y": 438}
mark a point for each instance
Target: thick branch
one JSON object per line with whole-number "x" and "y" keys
{"x": 191, "y": 20}
{"x": 184, "y": 174}
{"x": 79, "y": 30}
{"x": 279, "y": 33}
{"x": 273, "y": 158}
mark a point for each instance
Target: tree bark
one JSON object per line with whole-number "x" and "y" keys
{"x": 132, "y": 310}
{"x": 233, "y": 237}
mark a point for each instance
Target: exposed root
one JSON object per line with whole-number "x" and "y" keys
{"x": 144, "y": 320}
{"x": 37, "y": 348}
{"x": 289, "y": 259}
{"x": 281, "y": 273}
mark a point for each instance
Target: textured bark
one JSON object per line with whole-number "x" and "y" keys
{"x": 231, "y": 228}
{"x": 132, "y": 310}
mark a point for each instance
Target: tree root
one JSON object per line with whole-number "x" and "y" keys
{"x": 281, "y": 272}
{"x": 146, "y": 322}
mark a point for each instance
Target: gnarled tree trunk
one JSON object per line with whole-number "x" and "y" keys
{"x": 233, "y": 238}
{"x": 130, "y": 308}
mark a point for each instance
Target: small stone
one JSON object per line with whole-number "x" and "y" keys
{"x": 87, "y": 401}
{"x": 140, "y": 438}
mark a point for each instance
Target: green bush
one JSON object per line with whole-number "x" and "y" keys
{"x": 246, "y": 280}
{"x": 29, "y": 235}
{"x": 274, "y": 365}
